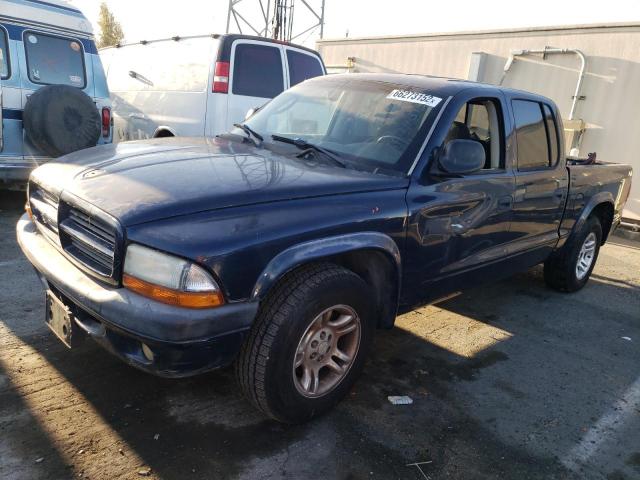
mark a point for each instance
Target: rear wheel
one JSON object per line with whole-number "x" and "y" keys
{"x": 308, "y": 344}
{"x": 569, "y": 269}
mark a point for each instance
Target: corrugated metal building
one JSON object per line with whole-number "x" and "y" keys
{"x": 607, "y": 111}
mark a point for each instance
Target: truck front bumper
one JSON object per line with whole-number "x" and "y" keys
{"x": 182, "y": 341}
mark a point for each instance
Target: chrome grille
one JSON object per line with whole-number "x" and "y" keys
{"x": 89, "y": 239}
{"x": 44, "y": 207}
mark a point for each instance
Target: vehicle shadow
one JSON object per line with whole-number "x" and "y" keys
{"x": 504, "y": 380}
{"x": 22, "y": 457}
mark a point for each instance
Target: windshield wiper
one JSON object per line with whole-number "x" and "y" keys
{"x": 251, "y": 133}
{"x": 306, "y": 146}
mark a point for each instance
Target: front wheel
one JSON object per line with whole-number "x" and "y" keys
{"x": 308, "y": 344}
{"x": 569, "y": 269}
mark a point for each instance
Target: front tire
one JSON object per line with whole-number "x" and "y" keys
{"x": 569, "y": 269}
{"x": 308, "y": 344}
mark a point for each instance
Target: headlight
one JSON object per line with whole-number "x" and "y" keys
{"x": 169, "y": 279}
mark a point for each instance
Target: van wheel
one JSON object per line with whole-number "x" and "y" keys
{"x": 569, "y": 269}
{"x": 308, "y": 344}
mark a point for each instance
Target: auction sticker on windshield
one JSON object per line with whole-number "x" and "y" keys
{"x": 414, "y": 97}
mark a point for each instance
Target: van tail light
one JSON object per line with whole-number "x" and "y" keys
{"x": 106, "y": 122}
{"x": 221, "y": 78}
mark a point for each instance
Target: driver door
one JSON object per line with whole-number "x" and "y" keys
{"x": 459, "y": 224}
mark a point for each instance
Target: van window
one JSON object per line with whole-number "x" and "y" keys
{"x": 257, "y": 71}
{"x": 4, "y": 55}
{"x": 552, "y": 133}
{"x": 54, "y": 60}
{"x": 302, "y": 67}
{"x": 531, "y": 135}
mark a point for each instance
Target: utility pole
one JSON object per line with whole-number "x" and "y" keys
{"x": 274, "y": 18}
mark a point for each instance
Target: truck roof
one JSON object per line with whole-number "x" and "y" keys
{"x": 438, "y": 85}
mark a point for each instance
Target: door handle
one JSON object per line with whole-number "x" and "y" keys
{"x": 458, "y": 228}
{"x": 505, "y": 202}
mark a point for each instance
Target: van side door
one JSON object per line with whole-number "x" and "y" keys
{"x": 458, "y": 226}
{"x": 541, "y": 179}
{"x": 256, "y": 76}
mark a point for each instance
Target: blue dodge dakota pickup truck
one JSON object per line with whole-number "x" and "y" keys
{"x": 282, "y": 245}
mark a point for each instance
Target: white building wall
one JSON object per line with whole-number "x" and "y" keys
{"x": 611, "y": 108}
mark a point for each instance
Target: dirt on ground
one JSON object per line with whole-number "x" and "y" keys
{"x": 508, "y": 380}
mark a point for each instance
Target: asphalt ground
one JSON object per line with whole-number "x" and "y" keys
{"x": 508, "y": 380}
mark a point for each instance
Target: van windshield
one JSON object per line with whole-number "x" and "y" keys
{"x": 54, "y": 60}
{"x": 367, "y": 124}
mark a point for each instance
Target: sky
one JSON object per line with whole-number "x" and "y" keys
{"x": 148, "y": 19}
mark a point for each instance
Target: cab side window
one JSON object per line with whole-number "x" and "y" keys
{"x": 534, "y": 151}
{"x": 479, "y": 120}
{"x": 4, "y": 55}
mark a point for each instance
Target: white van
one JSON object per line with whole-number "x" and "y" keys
{"x": 200, "y": 85}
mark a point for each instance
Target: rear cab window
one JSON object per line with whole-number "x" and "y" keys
{"x": 535, "y": 149}
{"x": 302, "y": 66}
{"x": 552, "y": 134}
{"x": 257, "y": 71}
{"x": 5, "y": 66}
{"x": 54, "y": 60}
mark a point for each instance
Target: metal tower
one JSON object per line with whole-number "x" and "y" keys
{"x": 275, "y": 19}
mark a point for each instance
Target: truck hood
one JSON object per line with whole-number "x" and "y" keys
{"x": 142, "y": 181}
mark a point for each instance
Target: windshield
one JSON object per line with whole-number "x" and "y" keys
{"x": 370, "y": 125}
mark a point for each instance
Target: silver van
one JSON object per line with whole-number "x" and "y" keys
{"x": 53, "y": 89}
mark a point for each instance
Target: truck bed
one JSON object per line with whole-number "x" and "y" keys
{"x": 590, "y": 182}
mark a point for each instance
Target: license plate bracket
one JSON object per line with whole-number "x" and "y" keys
{"x": 60, "y": 321}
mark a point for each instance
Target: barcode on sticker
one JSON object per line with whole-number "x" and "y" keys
{"x": 414, "y": 97}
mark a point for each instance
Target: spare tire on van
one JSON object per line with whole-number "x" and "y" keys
{"x": 60, "y": 119}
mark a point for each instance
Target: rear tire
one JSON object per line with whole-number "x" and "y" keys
{"x": 296, "y": 333}
{"x": 569, "y": 269}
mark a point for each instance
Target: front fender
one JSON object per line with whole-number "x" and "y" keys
{"x": 314, "y": 250}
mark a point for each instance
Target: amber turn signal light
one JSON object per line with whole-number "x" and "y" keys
{"x": 173, "y": 297}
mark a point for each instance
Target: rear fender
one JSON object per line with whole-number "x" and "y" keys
{"x": 597, "y": 199}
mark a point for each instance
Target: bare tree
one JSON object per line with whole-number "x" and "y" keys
{"x": 110, "y": 30}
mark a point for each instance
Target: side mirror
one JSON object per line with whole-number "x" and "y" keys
{"x": 251, "y": 112}
{"x": 462, "y": 156}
